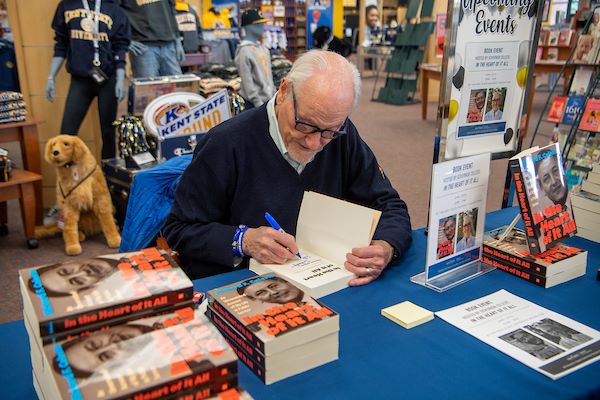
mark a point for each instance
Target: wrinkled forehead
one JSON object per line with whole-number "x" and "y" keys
{"x": 324, "y": 99}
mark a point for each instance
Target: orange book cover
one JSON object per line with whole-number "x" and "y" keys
{"x": 590, "y": 120}
{"x": 557, "y": 109}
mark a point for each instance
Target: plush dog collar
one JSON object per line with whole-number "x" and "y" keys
{"x": 77, "y": 185}
{"x": 68, "y": 164}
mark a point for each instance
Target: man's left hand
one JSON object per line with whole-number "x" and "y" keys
{"x": 367, "y": 263}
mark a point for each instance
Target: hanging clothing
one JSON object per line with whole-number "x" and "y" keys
{"x": 189, "y": 27}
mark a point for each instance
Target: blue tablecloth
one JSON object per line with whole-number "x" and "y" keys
{"x": 379, "y": 359}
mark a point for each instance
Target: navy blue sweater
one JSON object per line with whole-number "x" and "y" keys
{"x": 238, "y": 173}
{"x": 73, "y": 40}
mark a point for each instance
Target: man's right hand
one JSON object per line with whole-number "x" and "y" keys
{"x": 137, "y": 48}
{"x": 50, "y": 89}
{"x": 268, "y": 246}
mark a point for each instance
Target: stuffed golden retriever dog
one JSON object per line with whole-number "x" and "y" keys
{"x": 81, "y": 193}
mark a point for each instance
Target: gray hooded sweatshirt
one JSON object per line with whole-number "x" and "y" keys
{"x": 253, "y": 62}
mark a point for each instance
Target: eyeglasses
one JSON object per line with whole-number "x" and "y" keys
{"x": 307, "y": 128}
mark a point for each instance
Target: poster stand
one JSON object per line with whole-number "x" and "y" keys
{"x": 454, "y": 277}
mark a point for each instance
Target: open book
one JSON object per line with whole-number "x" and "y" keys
{"x": 328, "y": 229}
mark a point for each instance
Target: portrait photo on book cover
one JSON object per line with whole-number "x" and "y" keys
{"x": 120, "y": 350}
{"x": 495, "y": 104}
{"x": 467, "y": 227}
{"x": 583, "y": 51}
{"x": 476, "y": 105}
{"x": 534, "y": 345}
{"x": 558, "y": 333}
{"x": 446, "y": 236}
{"x": 550, "y": 179}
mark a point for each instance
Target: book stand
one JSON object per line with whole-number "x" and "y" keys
{"x": 452, "y": 278}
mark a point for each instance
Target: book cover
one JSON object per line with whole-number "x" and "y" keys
{"x": 580, "y": 81}
{"x": 271, "y": 313}
{"x": 279, "y": 365}
{"x": 140, "y": 361}
{"x": 74, "y": 294}
{"x": 564, "y": 38}
{"x": 552, "y": 54}
{"x": 543, "y": 39}
{"x": 553, "y": 37}
{"x": 557, "y": 109}
{"x": 590, "y": 120}
{"x": 514, "y": 250}
{"x": 574, "y": 105}
{"x": 327, "y": 230}
{"x": 583, "y": 52}
{"x": 543, "y": 197}
{"x": 543, "y": 281}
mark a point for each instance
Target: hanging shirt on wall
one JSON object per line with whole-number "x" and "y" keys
{"x": 73, "y": 30}
{"x": 9, "y": 78}
{"x": 188, "y": 24}
{"x": 151, "y": 20}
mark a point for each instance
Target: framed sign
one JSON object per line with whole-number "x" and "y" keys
{"x": 489, "y": 55}
{"x": 456, "y": 218}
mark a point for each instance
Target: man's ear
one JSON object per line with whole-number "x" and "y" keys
{"x": 284, "y": 87}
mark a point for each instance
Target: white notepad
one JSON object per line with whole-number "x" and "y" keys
{"x": 407, "y": 314}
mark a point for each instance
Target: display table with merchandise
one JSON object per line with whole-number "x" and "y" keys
{"x": 379, "y": 359}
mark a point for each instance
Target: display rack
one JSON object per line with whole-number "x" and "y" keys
{"x": 293, "y": 23}
{"x": 409, "y": 49}
{"x": 571, "y": 165}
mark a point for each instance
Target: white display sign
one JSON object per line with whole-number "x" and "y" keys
{"x": 488, "y": 60}
{"x": 178, "y": 114}
{"x": 540, "y": 338}
{"x": 456, "y": 213}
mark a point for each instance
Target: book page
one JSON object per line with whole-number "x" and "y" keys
{"x": 311, "y": 270}
{"x": 331, "y": 227}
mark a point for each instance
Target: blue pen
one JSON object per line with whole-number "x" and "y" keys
{"x": 277, "y": 227}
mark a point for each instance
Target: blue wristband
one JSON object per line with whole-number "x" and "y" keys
{"x": 236, "y": 243}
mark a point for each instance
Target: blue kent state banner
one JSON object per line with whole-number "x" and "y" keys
{"x": 177, "y": 123}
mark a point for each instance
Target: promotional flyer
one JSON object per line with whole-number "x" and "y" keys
{"x": 486, "y": 75}
{"x": 542, "y": 339}
{"x": 457, "y": 213}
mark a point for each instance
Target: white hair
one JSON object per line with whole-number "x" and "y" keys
{"x": 314, "y": 62}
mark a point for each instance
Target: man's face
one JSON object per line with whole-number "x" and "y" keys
{"x": 480, "y": 100}
{"x": 586, "y": 45}
{"x": 272, "y": 291}
{"x": 467, "y": 226}
{"x": 76, "y": 275}
{"x": 496, "y": 98}
{"x": 314, "y": 106}
{"x": 449, "y": 229}
{"x": 102, "y": 347}
{"x": 372, "y": 18}
{"x": 550, "y": 180}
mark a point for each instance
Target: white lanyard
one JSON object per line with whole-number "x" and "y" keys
{"x": 95, "y": 28}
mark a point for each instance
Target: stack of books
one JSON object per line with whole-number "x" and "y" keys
{"x": 274, "y": 327}
{"x": 586, "y": 206}
{"x": 121, "y": 326}
{"x": 556, "y": 265}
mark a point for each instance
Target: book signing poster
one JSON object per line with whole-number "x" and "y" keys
{"x": 457, "y": 213}
{"x": 318, "y": 13}
{"x": 488, "y": 72}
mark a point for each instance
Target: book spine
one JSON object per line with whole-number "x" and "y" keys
{"x": 525, "y": 207}
{"x": 76, "y": 321}
{"x": 205, "y": 384}
{"x": 231, "y": 335}
{"x": 515, "y": 260}
{"x": 227, "y": 388}
{"x": 515, "y": 270}
{"x": 186, "y": 306}
{"x": 248, "y": 335}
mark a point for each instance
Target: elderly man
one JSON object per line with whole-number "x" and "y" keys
{"x": 495, "y": 114}
{"x": 264, "y": 160}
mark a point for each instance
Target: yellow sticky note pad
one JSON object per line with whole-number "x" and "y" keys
{"x": 407, "y": 314}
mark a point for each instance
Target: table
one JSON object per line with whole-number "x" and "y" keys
{"x": 434, "y": 71}
{"x": 428, "y": 71}
{"x": 379, "y": 359}
{"x": 26, "y": 134}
